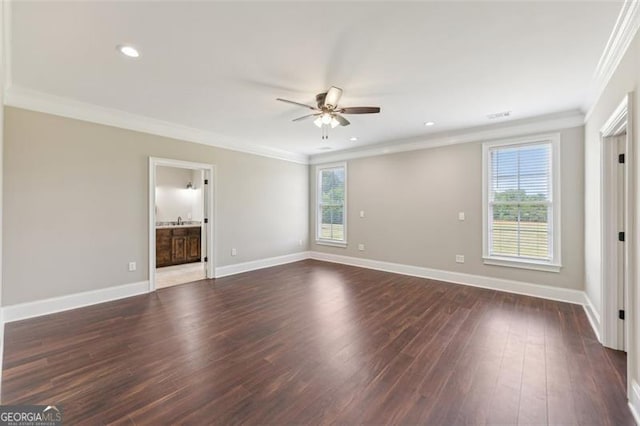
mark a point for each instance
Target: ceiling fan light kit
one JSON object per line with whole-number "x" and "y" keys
{"x": 328, "y": 113}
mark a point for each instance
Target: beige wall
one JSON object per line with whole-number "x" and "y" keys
{"x": 76, "y": 204}
{"x": 625, "y": 79}
{"x": 2, "y": 80}
{"x": 412, "y": 199}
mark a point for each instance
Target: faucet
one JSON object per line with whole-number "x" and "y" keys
{"x": 179, "y": 220}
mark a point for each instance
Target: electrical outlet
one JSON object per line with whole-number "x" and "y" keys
{"x": 361, "y": 213}
{"x": 300, "y": 243}
{"x": 234, "y": 252}
{"x": 461, "y": 216}
{"x": 361, "y": 247}
{"x": 459, "y": 258}
{"x": 132, "y": 266}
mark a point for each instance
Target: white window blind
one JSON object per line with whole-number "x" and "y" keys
{"x": 331, "y": 223}
{"x": 521, "y": 208}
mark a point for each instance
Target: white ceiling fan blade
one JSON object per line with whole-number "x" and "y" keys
{"x": 333, "y": 97}
{"x": 297, "y": 103}
{"x": 304, "y": 117}
{"x": 343, "y": 121}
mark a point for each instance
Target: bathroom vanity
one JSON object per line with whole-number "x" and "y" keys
{"x": 178, "y": 244}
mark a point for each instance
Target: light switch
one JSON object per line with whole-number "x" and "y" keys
{"x": 132, "y": 266}
{"x": 361, "y": 213}
{"x": 361, "y": 247}
{"x": 459, "y": 258}
{"x": 234, "y": 252}
{"x": 461, "y": 216}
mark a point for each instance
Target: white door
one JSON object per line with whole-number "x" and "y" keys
{"x": 207, "y": 223}
{"x": 621, "y": 208}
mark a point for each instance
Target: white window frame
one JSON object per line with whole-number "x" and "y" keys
{"x": 555, "y": 263}
{"x": 318, "y": 171}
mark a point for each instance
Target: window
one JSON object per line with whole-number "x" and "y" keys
{"x": 521, "y": 203}
{"x": 331, "y": 222}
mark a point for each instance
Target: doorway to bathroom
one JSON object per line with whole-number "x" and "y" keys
{"x": 180, "y": 222}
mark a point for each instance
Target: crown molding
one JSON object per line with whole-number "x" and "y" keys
{"x": 546, "y": 123}
{"x": 20, "y": 97}
{"x": 622, "y": 35}
{"x": 41, "y": 102}
{"x": 624, "y": 30}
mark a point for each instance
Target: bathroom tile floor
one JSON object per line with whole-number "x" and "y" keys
{"x": 179, "y": 274}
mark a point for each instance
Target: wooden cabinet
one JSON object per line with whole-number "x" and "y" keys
{"x": 193, "y": 248}
{"x": 163, "y": 247}
{"x": 175, "y": 246}
{"x": 178, "y": 250}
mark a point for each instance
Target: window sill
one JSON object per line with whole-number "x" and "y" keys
{"x": 332, "y": 243}
{"x": 522, "y": 264}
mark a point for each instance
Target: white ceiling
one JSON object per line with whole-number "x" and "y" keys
{"x": 218, "y": 67}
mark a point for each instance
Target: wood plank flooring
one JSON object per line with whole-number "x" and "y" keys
{"x": 313, "y": 342}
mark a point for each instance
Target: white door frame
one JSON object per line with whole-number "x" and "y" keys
{"x": 210, "y": 174}
{"x": 619, "y": 122}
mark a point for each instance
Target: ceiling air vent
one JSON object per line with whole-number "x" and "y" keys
{"x": 503, "y": 114}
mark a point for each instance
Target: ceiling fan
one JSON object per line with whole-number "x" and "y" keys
{"x": 328, "y": 113}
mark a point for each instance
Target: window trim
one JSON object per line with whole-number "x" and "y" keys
{"x": 318, "y": 169}
{"x": 555, "y": 263}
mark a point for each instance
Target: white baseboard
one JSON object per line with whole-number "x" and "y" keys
{"x": 634, "y": 401}
{"x": 224, "y": 271}
{"x": 509, "y": 286}
{"x": 63, "y": 303}
{"x": 72, "y": 301}
{"x": 593, "y": 316}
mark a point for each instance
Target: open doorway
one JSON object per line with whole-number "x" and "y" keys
{"x": 181, "y": 222}
{"x": 618, "y": 230}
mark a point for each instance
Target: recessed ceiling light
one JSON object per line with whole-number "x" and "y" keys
{"x": 353, "y": 139}
{"x": 429, "y": 123}
{"x": 129, "y": 51}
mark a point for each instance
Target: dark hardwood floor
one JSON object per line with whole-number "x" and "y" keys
{"x": 313, "y": 342}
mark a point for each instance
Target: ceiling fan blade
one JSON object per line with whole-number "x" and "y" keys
{"x": 343, "y": 121}
{"x": 359, "y": 110}
{"x": 304, "y": 117}
{"x": 297, "y": 103}
{"x": 333, "y": 97}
